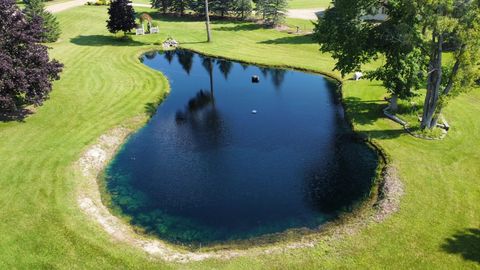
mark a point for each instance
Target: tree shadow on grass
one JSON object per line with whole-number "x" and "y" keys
{"x": 100, "y": 40}
{"x": 18, "y": 116}
{"x": 364, "y": 112}
{"x": 465, "y": 243}
{"x": 367, "y": 112}
{"x": 293, "y": 39}
{"x": 239, "y": 27}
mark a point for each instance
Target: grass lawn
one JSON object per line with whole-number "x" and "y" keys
{"x": 104, "y": 84}
{"x": 307, "y": 4}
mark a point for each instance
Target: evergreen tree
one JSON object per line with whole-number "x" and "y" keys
{"x": 51, "y": 28}
{"x": 222, "y": 7}
{"x": 243, "y": 8}
{"x": 198, "y": 6}
{"x": 26, "y": 73}
{"x": 122, "y": 16}
{"x": 260, "y": 8}
{"x": 163, "y": 5}
{"x": 180, "y": 6}
{"x": 275, "y": 11}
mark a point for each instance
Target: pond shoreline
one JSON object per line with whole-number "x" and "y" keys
{"x": 382, "y": 201}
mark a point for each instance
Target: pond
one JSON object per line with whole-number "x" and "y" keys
{"x": 224, "y": 158}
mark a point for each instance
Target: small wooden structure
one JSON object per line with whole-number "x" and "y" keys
{"x": 144, "y": 17}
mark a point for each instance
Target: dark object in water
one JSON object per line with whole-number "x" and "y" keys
{"x": 255, "y": 79}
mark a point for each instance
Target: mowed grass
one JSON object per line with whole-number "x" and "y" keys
{"x": 104, "y": 85}
{"x": 307, "y": 4}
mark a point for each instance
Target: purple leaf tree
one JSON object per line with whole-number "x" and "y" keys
{"x": 26, "y": 72}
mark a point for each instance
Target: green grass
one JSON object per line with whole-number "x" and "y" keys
{"x": 104, "y": 85}
{"x": 307, "y": 4}
{"x": 304, "y": 25}
{"x": 142, "y": 2}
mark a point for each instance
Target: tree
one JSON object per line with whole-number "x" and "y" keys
{"x": 179, "y": 6}
{"x": 163, "y": 5}
{"x": 243, "y": 8}
{"x": 222, "y": 7}
{"x": 207, "y": 21}
{"x": 459, "y": 23}
{"x": 199, "y": 6}
{"x": 51, "y": 28}
{"x": 122, "y": 16}
{"x": 26, "y": 72}
{"x": 260, "y": 7}
{"x": 274, "y": 11}
{"x": 410, "y": 41}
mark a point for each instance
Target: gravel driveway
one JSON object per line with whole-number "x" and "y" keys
{"x": 306, "y": 14}
{"x": 66, "y": 5}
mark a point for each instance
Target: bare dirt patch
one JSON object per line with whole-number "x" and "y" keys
{"x": 391, "y": 190}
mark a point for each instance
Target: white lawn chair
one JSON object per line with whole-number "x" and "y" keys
{"x": 357, "y": 76}
{"x": 154, "y": 30}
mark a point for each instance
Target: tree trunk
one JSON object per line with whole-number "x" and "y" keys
{"x": 394, "y": 103}
{"x": 433, "y": 84}
{"x": 207, "y": 22}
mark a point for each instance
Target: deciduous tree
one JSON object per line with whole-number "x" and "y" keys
{"x": 26, "y": 72}
{"x": 411, "y": 42}
{"x": 121, "y": 16}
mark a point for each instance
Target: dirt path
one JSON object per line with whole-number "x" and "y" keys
{"x": 64, "y": 6}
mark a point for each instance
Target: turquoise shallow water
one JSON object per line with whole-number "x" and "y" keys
{"x": 207, "y": 169}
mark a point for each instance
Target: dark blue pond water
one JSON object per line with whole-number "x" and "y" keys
{"x": 206, "y": 169}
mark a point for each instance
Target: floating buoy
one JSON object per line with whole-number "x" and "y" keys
{"x": 255, "y": 79}
{"x": 254, "y": 111}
